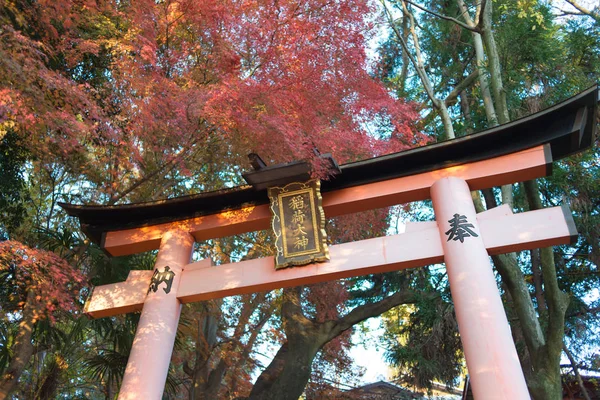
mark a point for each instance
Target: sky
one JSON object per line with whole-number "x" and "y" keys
{"x": 368, "y": 353}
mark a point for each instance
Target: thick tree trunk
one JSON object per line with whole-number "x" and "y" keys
{"x": 295, "y": 361}
{"x": 287, "y": 375}
{"x": 23, "y": 348}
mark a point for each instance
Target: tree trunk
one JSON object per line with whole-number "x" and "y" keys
{"x": 293, "y": 362}
{"x": 287, "y": 375}
{"x": 546, "y": 382}
{"x": 53, "y": 374}
{"x": 488, "y": 103}
{"x": 494, "y": 65}
{"x": 500, "y": 103}
{"x": 405, "y": 60}
{"x": 23, "y": 348}
{"x": 205, "y": 342}
{"x": 446, "y": 120}
{"x": 419, "y": 66}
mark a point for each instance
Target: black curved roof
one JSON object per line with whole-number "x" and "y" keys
{"x": 569, "y": 127}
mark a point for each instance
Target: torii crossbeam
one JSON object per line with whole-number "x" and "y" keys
{"x": 445, "y": 172}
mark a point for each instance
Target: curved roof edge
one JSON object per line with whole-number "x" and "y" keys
{"x": 569, "y": 127}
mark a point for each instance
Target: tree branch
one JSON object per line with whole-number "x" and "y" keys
{"x": 445, "y": 17}
{"x": 334, "y": 328}
{"x": 452, "y": 96}
{"x": 146, "y": 178}
{"x": 420, "y": 72}
{"x": 479, "y": 16}
{"x": 588, "y": 311}
{"x": 583, "y": 10}
{"x": 437, "y": 103}
{"x": 576, "y": 371}
{"x": 465, "y": 83}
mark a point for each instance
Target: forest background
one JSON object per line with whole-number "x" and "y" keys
{"x": 111, "y": 102}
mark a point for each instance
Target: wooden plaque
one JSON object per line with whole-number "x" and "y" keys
{"x": 299, "y": 224}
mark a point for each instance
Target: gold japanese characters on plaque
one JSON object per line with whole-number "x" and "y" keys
{"x": 299, "y": 224}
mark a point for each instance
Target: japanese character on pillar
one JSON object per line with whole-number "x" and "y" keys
{"x": 460, "y": 228}
{"x": 158, "y": 277}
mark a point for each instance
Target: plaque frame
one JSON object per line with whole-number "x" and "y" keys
{"x": 320, "y": 251}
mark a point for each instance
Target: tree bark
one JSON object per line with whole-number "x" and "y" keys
{"x": 206, "y": 340}
{"x": 286, "y": 376}
{"x": 419, "y": 66}
{"x": 494, "y": 65}
{"x": 488, "y": 103}
{"x": 546, "y": 382}
{"x": 23, "y": 348}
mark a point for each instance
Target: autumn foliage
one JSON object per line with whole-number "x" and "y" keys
{"x": 55, "y": 285}
{"x": 116, "y": 90}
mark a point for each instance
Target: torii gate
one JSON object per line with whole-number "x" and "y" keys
{"x": 445, "y": 172}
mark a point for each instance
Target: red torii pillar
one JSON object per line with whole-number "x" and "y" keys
{"x": 494, "y": 368}
{"x": 148, "y": 362}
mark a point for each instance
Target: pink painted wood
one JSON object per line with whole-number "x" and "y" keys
{"x": 492, "y": 360}
{"x": 148, "y": 363}
{"x": 119, "y": 298}
{"x": 420, "y": 245}
{"x": 516, "y": 167}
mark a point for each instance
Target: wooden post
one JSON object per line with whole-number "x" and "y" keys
{"x": 492, "y": 360}
{"x": 148, "y": 363}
